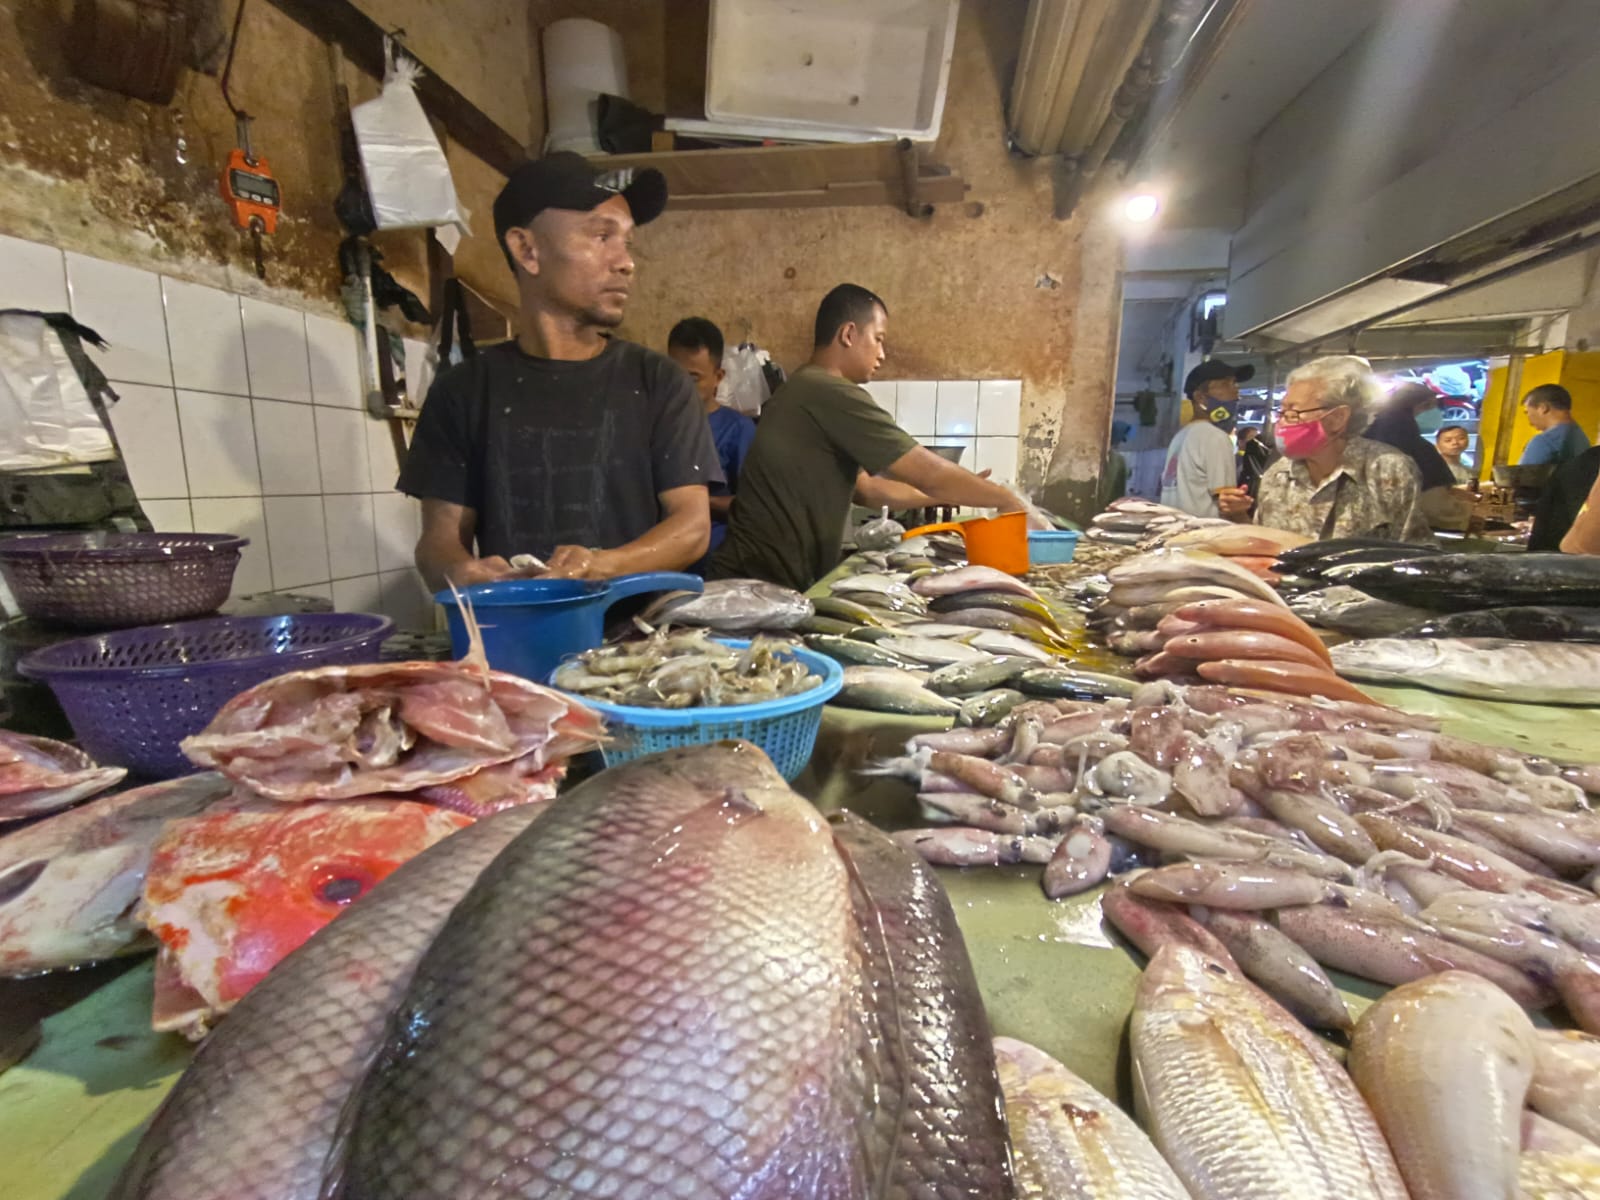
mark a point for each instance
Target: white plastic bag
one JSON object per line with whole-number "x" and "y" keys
{"x": 46, "y": 417}
{"x": 744, "y": 386}
{"x": 408, "y": 177}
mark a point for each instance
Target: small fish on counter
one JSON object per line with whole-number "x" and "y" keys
{"x": 40, "y": 775}
{"x": 687, "y": 669}
{"x": 891, "y": 690}
{"x": 732, "y": 606}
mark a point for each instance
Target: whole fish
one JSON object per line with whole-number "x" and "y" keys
{"x": 256, "y": 1114}
{"x": 40, "y": 775}
{"x": 1241, "y": 1099}
{"x": 1492, "y": 668}
{"x": 851, "y": 651}
{"x": 1533, "y": 623}
{"x": 839, "y": 609}
{"x": 1071, "y": 681}
{"x": 70, "y": 883}
{"x": 1013, "y": 602}
{"x": 1231, "y": 539}
{"x": 1299, "y": 557}
{"x": 732, "y": 606}
{"x": 977, "y": 675}
{"x": 1468, "y": 582}
{"x": 888, "y": 689}
{"x": 1069, "y": 1140}
{"x": 988, "y": 708}
{"x": 1255, "y": 615}
{"x": 1566, "y": 1080}
{"x": 230, "y": 894}
{"x": 1346, "y": 610}
{"x": 1295, "y": 678}
{"x": 1243, "y": 644}
{"x": 1189, "y": 568}
{"x": 1452, "y": 1117}
{"x": 682, "y": 981}
{"x": 997, "y": 641}
{"x": 971, "y": 579}
{"x": 934, "y": 652}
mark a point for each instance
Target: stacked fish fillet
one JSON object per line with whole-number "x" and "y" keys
{"x": 1292, "y": 832}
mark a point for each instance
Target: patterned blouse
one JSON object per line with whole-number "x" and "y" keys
{"x": 1373, "y": 493}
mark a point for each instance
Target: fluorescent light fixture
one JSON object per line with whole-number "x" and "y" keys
{"x": 1141, "y": 207}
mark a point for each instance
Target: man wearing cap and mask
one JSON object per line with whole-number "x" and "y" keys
{"x": 1200, "y": 468}
{"x": 567, "y": 444}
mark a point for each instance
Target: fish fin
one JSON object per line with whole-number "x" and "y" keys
{"x": 476, "y": 658}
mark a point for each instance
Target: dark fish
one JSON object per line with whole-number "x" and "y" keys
{"x": 1299, "y": 557}
{"x": 684, "y": 983}
{"x": 1533, "y": 623}
{"x": 1467, "y": 582}
{"x": 255, "y": 1115}
{"x": 1328, "y": 565}
{"x": 1346, "y": 610}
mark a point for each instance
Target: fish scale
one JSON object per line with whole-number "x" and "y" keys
{"x": 659, "y": 994}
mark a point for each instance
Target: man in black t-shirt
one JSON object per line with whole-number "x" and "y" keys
{"x": 567, "y": 444}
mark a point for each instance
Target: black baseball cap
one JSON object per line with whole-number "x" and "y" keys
{"x": 566, "y": 180}
{"x": 1212, "y": 368}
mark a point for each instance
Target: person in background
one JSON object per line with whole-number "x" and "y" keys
{"x": 1200, "y": 466}
{"x": 1332, "y": 482}
{"x": 1396, "y": 424}
{"x": 1114, "y": 479}
{"x": 1452, "y": 444}
{"x": 1559, "y": 440}
{"x": 822, "y": 441}
{"x": 1584, "y": 536}
{"x": 565, "y": 444}
{"x": 1562, "y": 502}
{"x": 695, "y": 344}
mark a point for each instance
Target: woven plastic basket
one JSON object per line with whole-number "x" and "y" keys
{"x": 117, "y": 580}
{"x": 785, "y": 729}
{"x": 133, "y": 695}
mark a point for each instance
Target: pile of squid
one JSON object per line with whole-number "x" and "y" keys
{"x": 1289, "y": 834}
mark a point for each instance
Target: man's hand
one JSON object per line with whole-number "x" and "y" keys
{"x": 1234, "y": 502}
{"x": 479, "y": 570}
{"x": 579, "y": 562}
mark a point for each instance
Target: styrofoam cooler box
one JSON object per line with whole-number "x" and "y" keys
{"x": 873, "y": 66}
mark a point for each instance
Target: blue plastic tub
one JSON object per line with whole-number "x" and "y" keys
{"x": 1046, "y": 546}
{"x": 785, "y": 729}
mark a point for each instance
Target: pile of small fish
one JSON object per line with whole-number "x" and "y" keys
{"x": 685, "y": 669}
{"x": 678, "y": 980}
{"x": 731, "y": 606}
{"x": 40, "y": 775}
{"x": 1132, "y": 521}
{"x": 1291, "y": 831}
{"x": 326, "y": 781}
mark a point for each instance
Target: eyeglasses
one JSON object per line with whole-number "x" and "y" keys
{"x": 1298, "y": 416}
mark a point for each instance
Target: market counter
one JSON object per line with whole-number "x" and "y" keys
{"x": 71, "y": 1113}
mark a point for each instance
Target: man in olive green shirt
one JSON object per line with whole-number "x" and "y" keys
{"x": 821, "y": 442}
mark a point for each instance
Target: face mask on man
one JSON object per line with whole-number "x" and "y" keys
{"x": 1301, "y": 440}
{"x": 1223, "y": 414}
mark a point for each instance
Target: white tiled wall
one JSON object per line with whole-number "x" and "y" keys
{"x": 242, "y": 416}
{"x": 982, "y": 415}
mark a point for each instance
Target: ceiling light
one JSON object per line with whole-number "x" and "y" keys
{"x": 1141, "y": 207}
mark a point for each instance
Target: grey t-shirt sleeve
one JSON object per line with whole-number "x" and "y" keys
{"x": 682, "y": 452}
{"x": 1217, "y": 459}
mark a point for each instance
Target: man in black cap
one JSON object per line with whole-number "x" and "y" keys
{"x": 1200, "y": 465}
{"x": 567, "y": 444}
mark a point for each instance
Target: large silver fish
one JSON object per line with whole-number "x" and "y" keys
{"x": 1445, "y": 1062}
{"x": 1243, "y": 1101}
{"x": 1493, "y": 668}
{"x": 255, "y": 1116}
{"x": 683, "y": 982}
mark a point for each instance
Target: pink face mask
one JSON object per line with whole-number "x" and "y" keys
{"x": 1302, "y": 440}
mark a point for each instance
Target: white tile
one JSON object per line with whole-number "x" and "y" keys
{"x": 944, "y": 439}
{"x": 335, "y": 362}
{"x": 243, "y": 516}
{"x": 169, "y": 516}
{"x": 32, "y": 275}
{"x": 398, "y": 520}
{"x": 914, "y": 404}
{"x": 219, "y": 444}
{"x": 275, "y": 347}
{"x": 999, "y": 456}
{"x": 419, "y": 371}
{"x": 146, "y": 421}
{"x": 957, "y": 408}
{"x": 407, "y": 600}
{"x": 882, "y": 391}
{"x": 206, "y": 338}
{"x": 342, "y": 449}
{"x": 286, "y": 437}
{"x": 999, "y": 407}
{"x": 382, "y": 464}
{"x": 364, "y": 593}
{"x": 297, "y": 540}
{"x": 351, "y": 547}
{"x": 123, "y": 305}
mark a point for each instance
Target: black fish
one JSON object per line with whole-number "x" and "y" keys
{"x": 1328, "y": 565}
{"x": 1470, "y": 582}
{"x": 1531, "y": 623}
{"x": 1297, "y": 558}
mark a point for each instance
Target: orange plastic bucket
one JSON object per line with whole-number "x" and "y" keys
{"x": 1000, "y": 542}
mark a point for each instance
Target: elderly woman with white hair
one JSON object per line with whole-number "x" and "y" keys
{"x": 1331, "y": 482}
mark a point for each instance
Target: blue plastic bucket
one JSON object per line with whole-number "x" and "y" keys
{"x": 1046, "y": 546}
{"x": 530, "y": 625}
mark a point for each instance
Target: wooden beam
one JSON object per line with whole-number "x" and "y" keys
{"x": 341, "y": 23}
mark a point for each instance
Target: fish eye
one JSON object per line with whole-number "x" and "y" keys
{"x": 19, "y": 879}
{"x": 341, "y": 889}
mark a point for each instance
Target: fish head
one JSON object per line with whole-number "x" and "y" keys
{"x": 230, "y": 894}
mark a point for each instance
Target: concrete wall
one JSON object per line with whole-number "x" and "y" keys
{"x": 993, "y": 288}
{"x": 91, "y": 171}
{"x": 1445, "y": 114}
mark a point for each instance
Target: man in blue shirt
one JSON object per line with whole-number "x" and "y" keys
{"x": 1559, "y": 440}
{"x": 695, "y": 344}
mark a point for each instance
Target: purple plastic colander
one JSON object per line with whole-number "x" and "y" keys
{"x": 133, "y": 695}
{"x": 108, "y": 580}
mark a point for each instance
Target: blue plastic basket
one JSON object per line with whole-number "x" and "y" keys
{"x": 1046, "y": 546}
{"x": 785, "y": 729}
{"x": 133, "y": 695}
